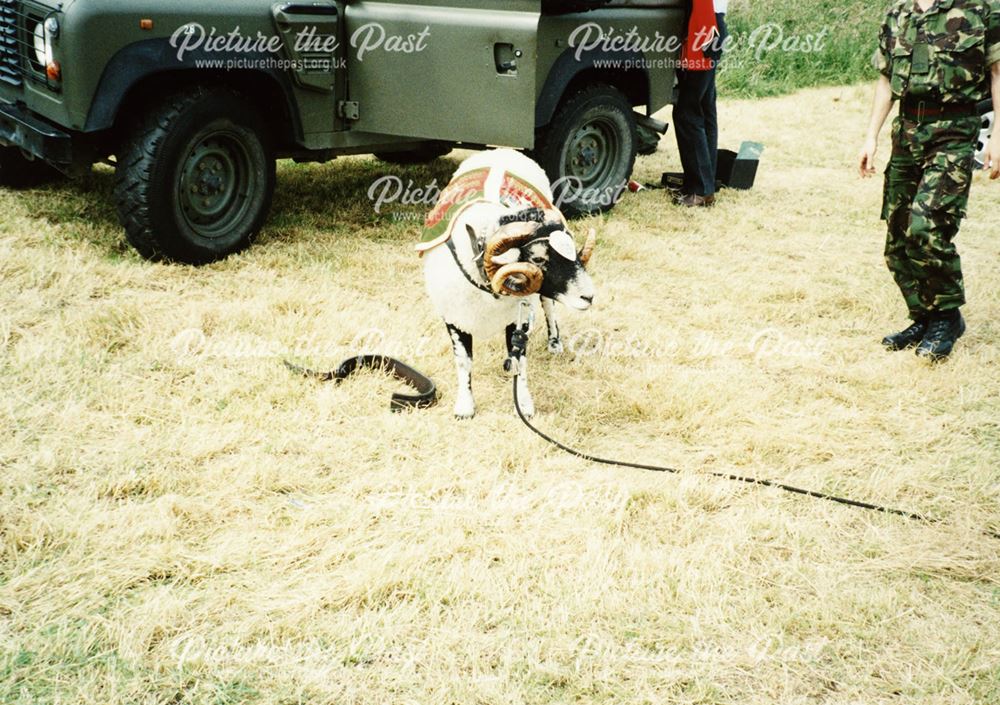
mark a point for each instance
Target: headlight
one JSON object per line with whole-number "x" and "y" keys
{"x": 43, "y": 50}
{"x": 44, "y": 33}
{"x": 44, "y": 36}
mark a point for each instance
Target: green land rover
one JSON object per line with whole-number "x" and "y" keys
{"x": 192, "y": 103}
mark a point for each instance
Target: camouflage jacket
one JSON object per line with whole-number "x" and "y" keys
{"x": 944, "y": 53}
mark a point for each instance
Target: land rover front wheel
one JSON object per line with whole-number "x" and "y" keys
{"x": 17, "y": 171}
{"x": 195, "y": 177}
{"x": 589, "y": 150}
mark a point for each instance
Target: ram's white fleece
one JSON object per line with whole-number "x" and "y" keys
{"x": 486, "y": 187}
{"x": 457, "y": 301}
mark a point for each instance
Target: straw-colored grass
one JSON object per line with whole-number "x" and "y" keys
{"x": 183, "y": 521}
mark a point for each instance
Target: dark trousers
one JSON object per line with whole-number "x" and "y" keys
{"x": 696, "y": 123}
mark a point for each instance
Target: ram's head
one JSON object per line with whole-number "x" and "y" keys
{"x": 540, "y": 257}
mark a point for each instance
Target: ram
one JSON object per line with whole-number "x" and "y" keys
{"x": 493, "y": 246}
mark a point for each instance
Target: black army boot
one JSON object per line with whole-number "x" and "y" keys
{"x": 906, "y": 338}
{"x": 944, "y": 329}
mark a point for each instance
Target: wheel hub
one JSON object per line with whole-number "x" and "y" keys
{"x": 211, "y": 185}
{"x": 591, "y": 154}
{"x": 587, "y": 155}
{"x": 215, "y": 180}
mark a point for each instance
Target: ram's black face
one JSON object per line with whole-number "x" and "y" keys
{"x": 566, "y": 280}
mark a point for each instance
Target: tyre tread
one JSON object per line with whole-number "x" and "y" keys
{"x": 138, "y": 156}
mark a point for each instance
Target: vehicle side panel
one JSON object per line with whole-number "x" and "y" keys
{"x": 451, "y": 88}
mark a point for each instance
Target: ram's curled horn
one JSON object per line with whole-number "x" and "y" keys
{"x": 518, "y": 279}
{"x": 511, "y": 278}
{"x": 506, "y": 238}
{"x": 588, "y": 249}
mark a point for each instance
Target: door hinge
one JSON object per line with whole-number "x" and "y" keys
{"x": 349, "y": 110}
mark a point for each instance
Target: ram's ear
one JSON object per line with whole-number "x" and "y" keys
{"x": 509, "y": 257}
{"x": 562, "y": 242}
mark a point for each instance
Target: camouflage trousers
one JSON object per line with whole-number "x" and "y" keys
{"x": 927, "y": 187}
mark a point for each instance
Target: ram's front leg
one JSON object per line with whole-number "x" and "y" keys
{"x": 508, "y": 364}
{"x": 555, "y": 336}
{"x": 520, "y": 365}
{"x": 465, "y": 403}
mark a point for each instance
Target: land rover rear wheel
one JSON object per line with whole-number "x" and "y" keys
{"x": 589, "y": 150}
{"x": 195, "y": 177}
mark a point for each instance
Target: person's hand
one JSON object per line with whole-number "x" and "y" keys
{"x": 866, "y": 160}
{"x": 991, "y": 157}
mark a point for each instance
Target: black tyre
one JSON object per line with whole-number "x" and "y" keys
{"x": 17, "y": 171}
{"x": 422, "y": 155}
{"x": 195, "y": 177}
{"x": 589, "y": 150}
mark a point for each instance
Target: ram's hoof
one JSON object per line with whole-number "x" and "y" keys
{"x": 556, "y": 346}
{"x": 465, "y": 410}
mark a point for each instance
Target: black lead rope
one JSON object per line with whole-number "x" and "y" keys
{"x": 725, "y": 476}
{"x": 426, "y": 392}
{"x": 426, "y": 396}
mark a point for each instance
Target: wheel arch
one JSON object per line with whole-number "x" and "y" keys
{"x": 142, "y": 71}
{"x": 570, "y": 74}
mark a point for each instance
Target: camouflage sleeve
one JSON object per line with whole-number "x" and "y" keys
{"x": 993, "y": 33}
{"x": 883, "y": 57}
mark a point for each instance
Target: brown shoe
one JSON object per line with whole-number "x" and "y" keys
{"x": 694, "y": 201}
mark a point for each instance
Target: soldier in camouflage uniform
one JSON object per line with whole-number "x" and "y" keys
{"x": 939, "y": 59}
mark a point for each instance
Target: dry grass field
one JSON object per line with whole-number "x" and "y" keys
{"x": 183, "y": 521}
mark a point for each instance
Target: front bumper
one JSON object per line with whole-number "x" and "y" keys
{"x": 20, "y": 128}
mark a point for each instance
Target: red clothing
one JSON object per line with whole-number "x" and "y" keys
{"x": 702, "y": 31}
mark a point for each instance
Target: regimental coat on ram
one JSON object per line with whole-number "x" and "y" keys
{"x": 493, "y": 242}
